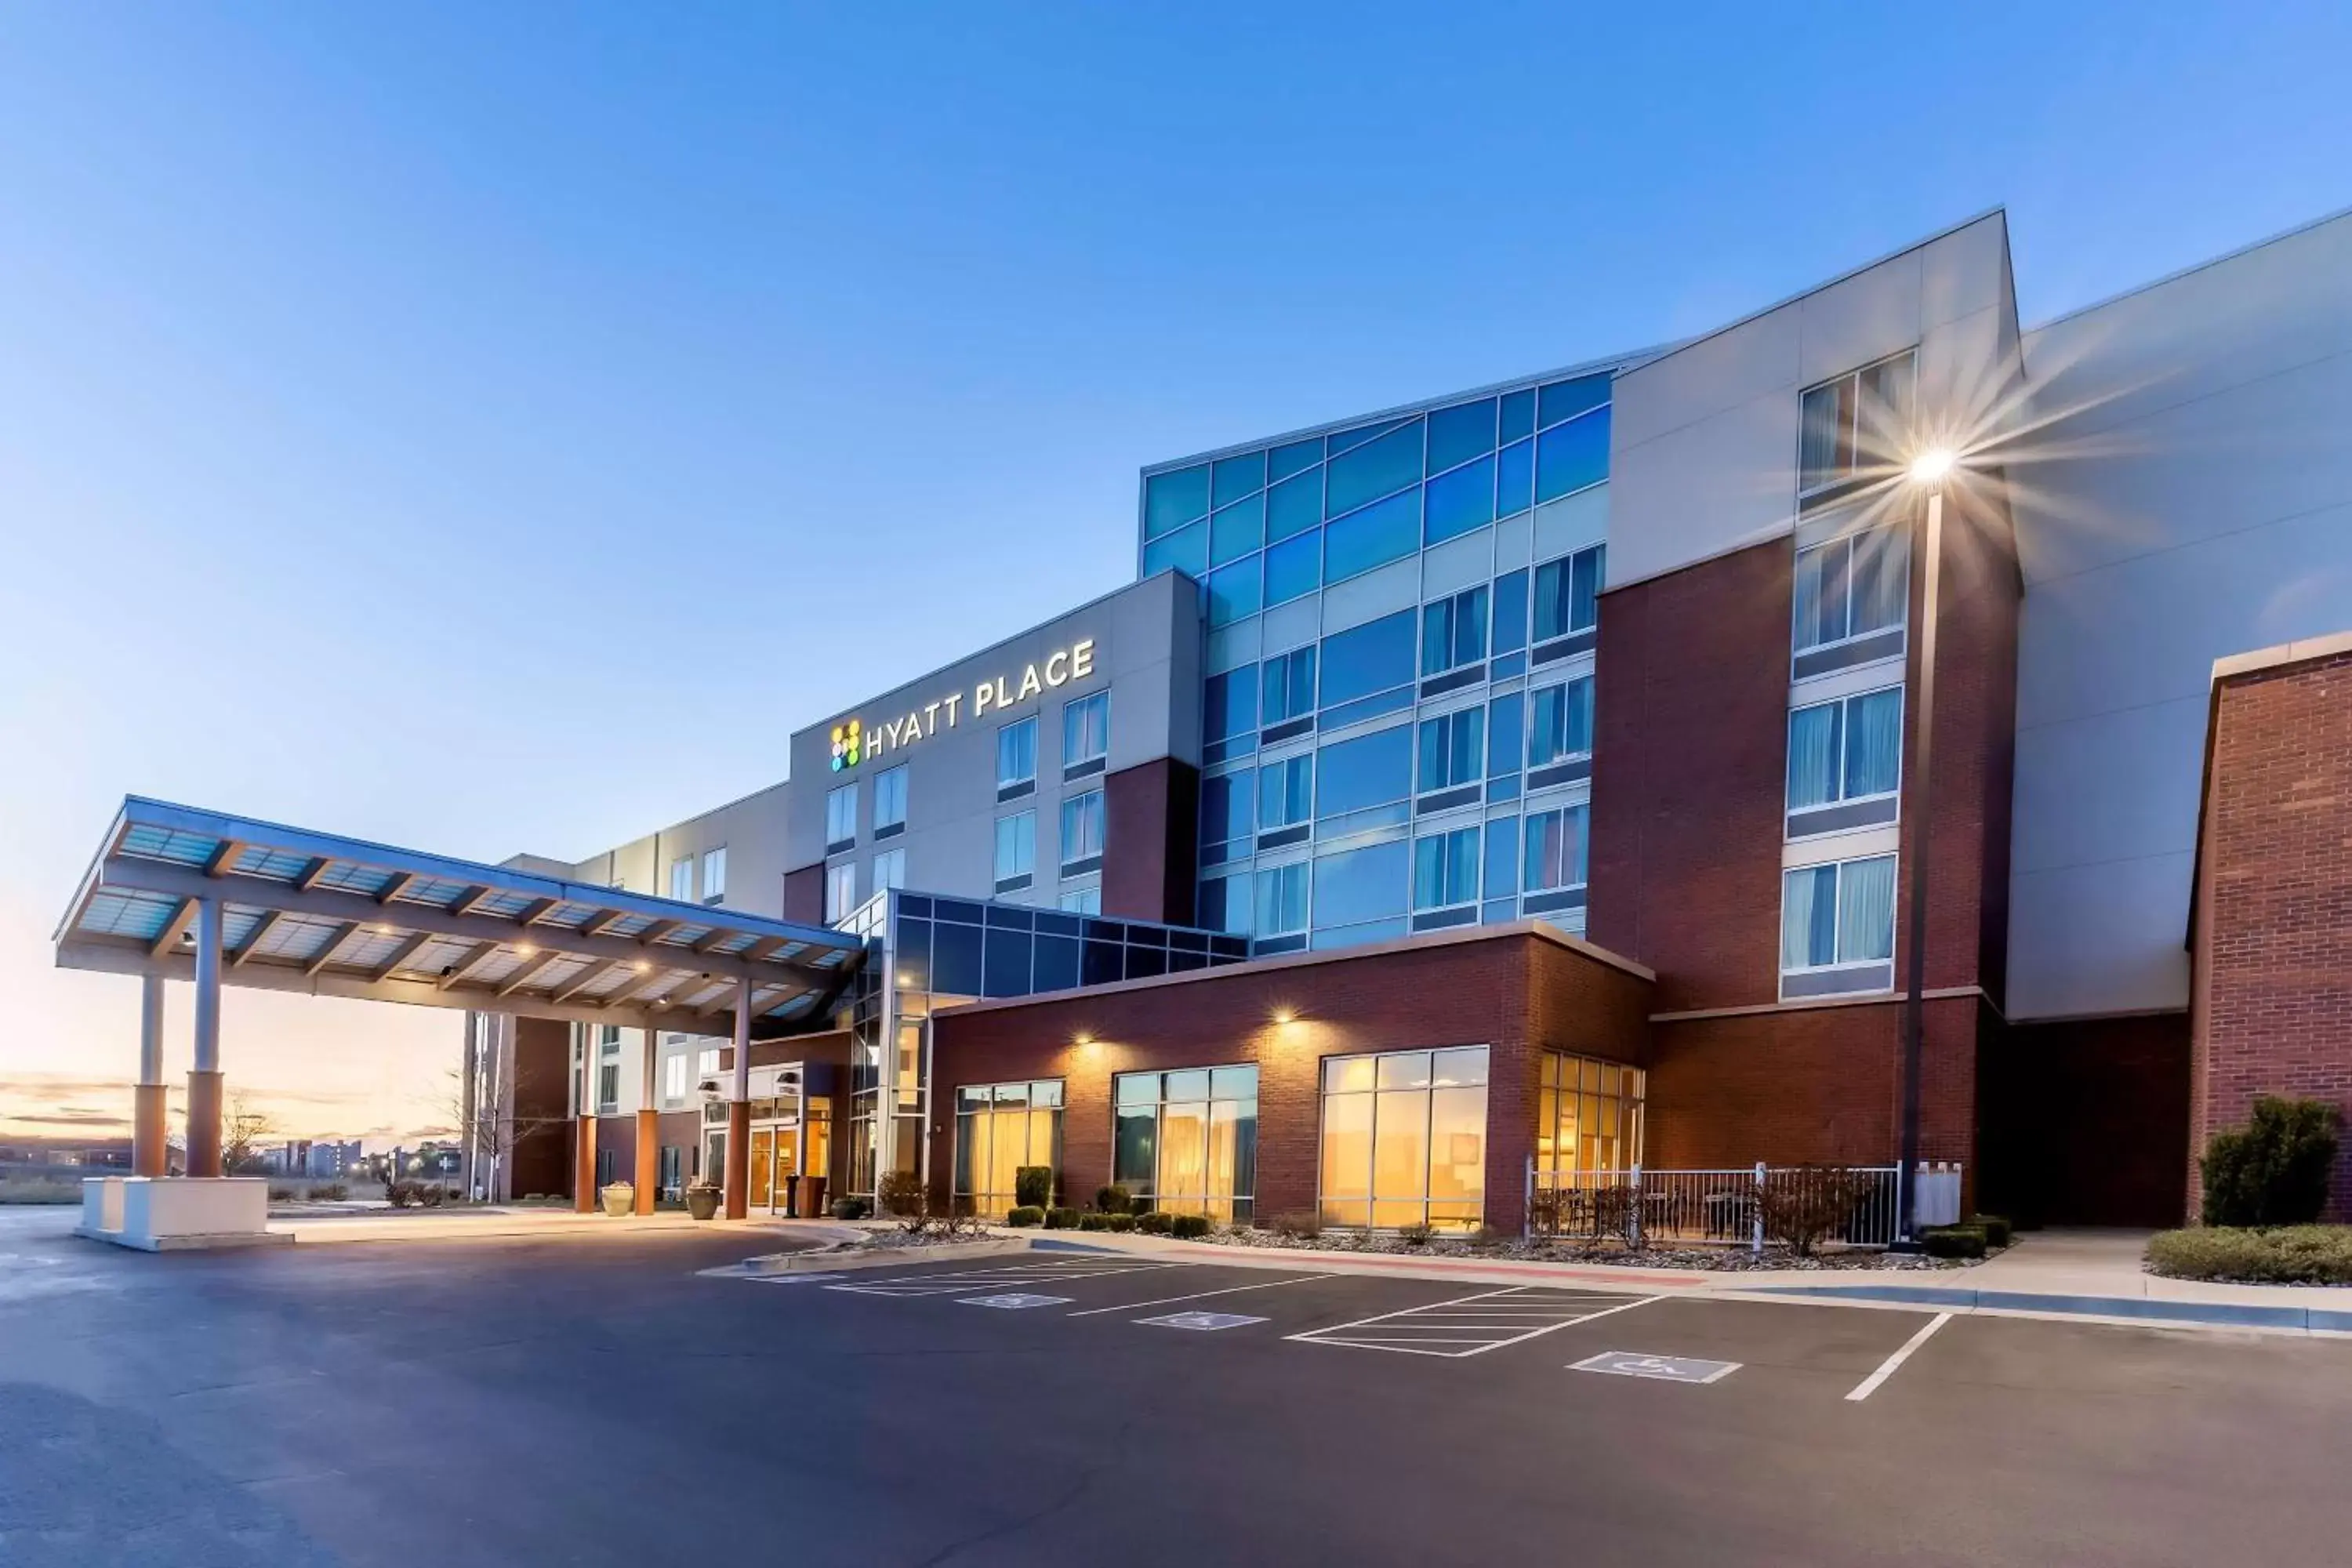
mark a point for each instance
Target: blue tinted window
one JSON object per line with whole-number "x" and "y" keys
{"x": 1370, "y": 772}
{"x": 1451, "y": 750}
{"x": 1459, "y": 501}
{"x": 1567, "y": 399}
{"x": 1285, "y": 791}
{"x": 1008, "y": 963}
{"x": 1503, "y": 857}
{"x": 1297, "y": 457}
{"x": 1446, "y": 869}
{"x": 1294, "y": 568}
{"x": 1505, "y": 735}
{"x": 1236, "y": 530}
{"x": 1348, "y": 440}
{"x": 1219, "y": 902}
{"x": 1291, "y": 685}
{"x": 1234, "y": 592}
{"x": 1281, "y": 900}
{"x": 1172, "y": 501}
{"x": 1518, "y": 414}
{"x": 1384, "y": 531}
{"x": 1511, "y": 612}
{"x": 1235, "y": 476}
{"x": 1559, "y": 721}
{"x": 1372, "y": 470}
{"x": 1186, "y": 550}
{"x": 1568, "y": 594}
{"x": 1515, "y": 481}
{"x": 1571, "y": 455}
{"x": 1458, "y": 434}
{"x": 1226, "y": 802}
{"x": 1453, "y": 632}
{"x": 1294, "y": 505}
{"x": 1372, "y": 658}
{"x": 1229, "y": 704}
{"x": 1360, "y": 885}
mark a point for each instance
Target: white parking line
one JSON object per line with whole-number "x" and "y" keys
{"x": 1869, "y": 1385}
{"x": 1509, "y": 1316}
{"x": 965, "y": 1281}
{"x": 1196, "y": 1296}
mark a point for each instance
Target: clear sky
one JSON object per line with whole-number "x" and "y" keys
{"x": 496, "y": 427}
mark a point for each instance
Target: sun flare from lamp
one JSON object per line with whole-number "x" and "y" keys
{"x": 1933, "y": 465}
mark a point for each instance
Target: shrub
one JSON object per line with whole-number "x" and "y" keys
{"x": 900, "y": 1196}
{"x": 1486, "y": 1236}
{"x": 1806, "y": 1205}
{"x": 2290, "y": 1255}
{"x": 1415, "y": 1235}
{"x": 1187, "y": 1227}
{"x": 1033, "y": 1185}
{"x": 1997, "y": 1228}
{"x": 1304, "y": 1224}
{"x": 1953, "y": 1241}
{"x": 1026, "y": 1214}
{"x": 333, "y": 1192}
{"x": 1112, "y": 1199}
{"x": 278, "y": 1194}
{"x": 1094, "y": 1220}
{"x": 1545, "y": 1212}
{"x": 851, "y": 1208}
{"x": 2273, "y": 1171}
{"x": 1118, "y": 1222}
{"x": 1063, "y": 1219}
{"x": 431, "y": 1195}
{"x": 1152, "y": 1222}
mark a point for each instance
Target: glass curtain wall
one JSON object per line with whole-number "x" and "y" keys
{"x": 1587, "y": 1116}
{"x": 1404, "y": 1139}
{"x": 1187, "y": 1141}
{"x": 1000, "y": 1127}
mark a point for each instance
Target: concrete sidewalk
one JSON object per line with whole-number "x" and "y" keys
{"x": 466, "y": 1224}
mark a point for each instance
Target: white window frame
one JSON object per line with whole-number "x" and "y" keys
{"x": 841, "y": 813}
{"x": 1071, "y": 711}
{"x": 1852, "y": 423}
{"x": 1004, "y": 734}
{"x": 840, "y": 890}
{"x": 681, "y": 878}
{"x": 1845, "y": 734}
{"x": 1024, "y": 845}
{"x": 714, "y": 874}
{"x": 889, "y": 870}
{"x": 1840, "y": 958}
{"x": 889, "y": 783}
{"x": 1076, "y": 803}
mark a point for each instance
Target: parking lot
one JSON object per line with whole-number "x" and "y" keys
{"x": 606, "y": 1401}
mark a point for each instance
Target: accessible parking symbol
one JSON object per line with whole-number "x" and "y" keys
{"x": 1665, "y": 1368}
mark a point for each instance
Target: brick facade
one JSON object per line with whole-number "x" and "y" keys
{"x": 2271, "y": 945}
{"x": 2085, "y": 1120}
{"x": 1152, "y": 815}
{"x": 1516, "y": 991}
{"x": 540, "y": 1160}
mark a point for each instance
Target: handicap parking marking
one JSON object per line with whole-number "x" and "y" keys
{"x": 1041, "y": 1272}
{"x": 1663, "y": 1368}
{"x": 793, "y": 1279}
{"x": 1207, "y": 1322}
{"x": 1014, "y": 1301}
{"x": 1200, "y": 1295}
{"x": 1474, "y": 1324}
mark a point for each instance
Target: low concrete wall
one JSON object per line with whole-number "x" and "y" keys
{"x": 166, "y": 1214}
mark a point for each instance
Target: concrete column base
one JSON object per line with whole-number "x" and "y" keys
{"x": 648, "y": 1159}
{"x": 150, "y": 1137}
{"x": 204, "y": 1124}
{"x": 584, "y": 1165}
{"x": 739, "y": 1159}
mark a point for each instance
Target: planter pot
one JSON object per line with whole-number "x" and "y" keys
{"x": 619, "y": 1199}
{"x": 702, "y": 1203}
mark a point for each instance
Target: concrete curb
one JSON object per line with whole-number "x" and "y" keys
{"x": 2134, "y": 1309}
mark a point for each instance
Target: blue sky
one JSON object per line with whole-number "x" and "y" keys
{"x": 494, "y": 429}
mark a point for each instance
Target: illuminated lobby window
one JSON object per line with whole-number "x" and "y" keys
{"x": 1000, "y": 1127}
{"x": 1188, "y": 1140}
{"x": 1404, "y": 1139}
{"x": 1587, "y": 1115}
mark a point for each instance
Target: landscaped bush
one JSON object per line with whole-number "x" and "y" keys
{"x": 1809, "y": 1205}
{"x": 851, "y": 1208}
{"x": 2273, "y": 1171}
{"x": 1093, "y": 1219}
{"x": 332, "y": 1193}
{"x": 2289, "y": 1255}
{"x": 1118, "y": 1222}
{"x": 1415, "y": 1235}
{"x": 1303, "y": 1224}
{"x": 1026, "y": 1214}
{"x": 1112, "y": 1199}
{"x": 900, "y": 1196}
{"x": 1033, "y": 1185}
{"x": 1486, "y": 1236}
{"x": 1953, "y": 1241}
{"x": 1151, "y": 1222}
{"x": 1187, "y": 1227}
{"x": 1996, "y": 1227}
{"x": 1063, "y": 1219}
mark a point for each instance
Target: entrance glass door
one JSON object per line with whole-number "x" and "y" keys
{"x": 763, "y": 1152}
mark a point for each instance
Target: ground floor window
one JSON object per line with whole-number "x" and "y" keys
{"x": 1188, "y": 1140}
{"x": 1000, "y": 1127}
{"x": 1587, "y": 1115}
{"x": 673, "y": 1167}
{"x": 1404, "y": 1139}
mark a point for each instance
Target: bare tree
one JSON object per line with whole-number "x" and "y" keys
{"x": 486, "y": 1136}
{"x": 242, "y": 1128}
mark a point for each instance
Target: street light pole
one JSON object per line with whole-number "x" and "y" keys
{"x": 1931, "y": 469}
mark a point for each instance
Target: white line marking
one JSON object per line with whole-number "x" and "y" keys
{"x": 1435, "y": 1324}
{"x": 1869, "y": 1385}
{"x": 1572, "y": 1322}
{"x": 1384, "y": 1317}
{"x": 1196, "y": 1296}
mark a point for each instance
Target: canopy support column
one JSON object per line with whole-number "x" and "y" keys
{"x": 583, "y": 1129}
{"x": 150, "y": 1151}
{"x": 648, "y": 1177}
{"x": 738, "y": 1109}
{"x": 205, "y": 1077}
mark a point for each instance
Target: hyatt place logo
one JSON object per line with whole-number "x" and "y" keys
{"x": 849, "y": 745}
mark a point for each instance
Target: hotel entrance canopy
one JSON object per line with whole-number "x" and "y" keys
{"x": 341, "y": 917}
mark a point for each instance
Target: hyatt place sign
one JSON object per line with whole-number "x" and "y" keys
{"x": 855, "y": 741}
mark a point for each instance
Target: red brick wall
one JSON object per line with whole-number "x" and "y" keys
{"x": 542, "y": 1158}
{"x": 2272, "y": 950}
{"x": 805, "y": 895}
{"x": 1512, "y": 991}
{"x": 1151, "y": 838}
{"x": 2086, "y": 1121}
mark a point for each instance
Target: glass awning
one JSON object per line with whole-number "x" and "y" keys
{"x": 341, "y": 917}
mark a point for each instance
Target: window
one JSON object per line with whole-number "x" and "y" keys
{"x": 714, "y": 874}
{"x": 1227, "y": 815}
{"x": 1288, "y": 683}
{"x": 1285, "y": 792}
{"x": 1446, "y": 869}
{"x": 1847, "y": 750}
{"x": 1556, "y": 848}
{"x": 1367, "y": 670}
{"x": 1083, "y": 900}
{"x": 1560, "y": 722}
{"x": 1082, "y": 831}
{"x": 673, "y": 1076}
{"x": 1016, "y": 850}
{"x": 1452, "y": 748}
{"x": 1853, "y": 586}
{"x": 1854, "y": 426}
{"x": 1404, "y": 1139}
{"x": 1359, "y": 894}
{"x": 1568, "y": 595}
{"x": 890, "y": 801}
{"x": 890, "y": 870}
{"x": 706, "y": 1062}
{"x": 1017, "y": 754}
{"x": 841, "y": 816}
{"x": 681, "y": 878}
{"x": 1000, "y": 1127}
{"x": 1364, "y": 783}
{"x": 1281, "y": 900}
{"x": 1187, "y": 1141}
{"x": 1587, "y": 1116}
{"x": 1510, "y": 615}
{"x": 608, "y": 1072}
{"x": 1453, "y": 632}
{"x": 1229, "y": 713}
{"x": 1838, "y": 914}
{"x": 1085, "y": 730}
{"x": 840, "y": 890}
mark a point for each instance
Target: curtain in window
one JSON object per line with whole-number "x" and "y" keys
{"x": 1579, "y": 716}
{"x": 1818, "y": 456}
{"x": 1821, "y": 593}
{"x": 1082, "y": 825}
{"x": 1882, "y": 579}
{"x": 1555, "y": 853}
{"x": 1866, "y": 909}
{"x": 1873, "y": 742}
{"x": 1809, "y": 918}
{"x": 1813, "y": 755}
